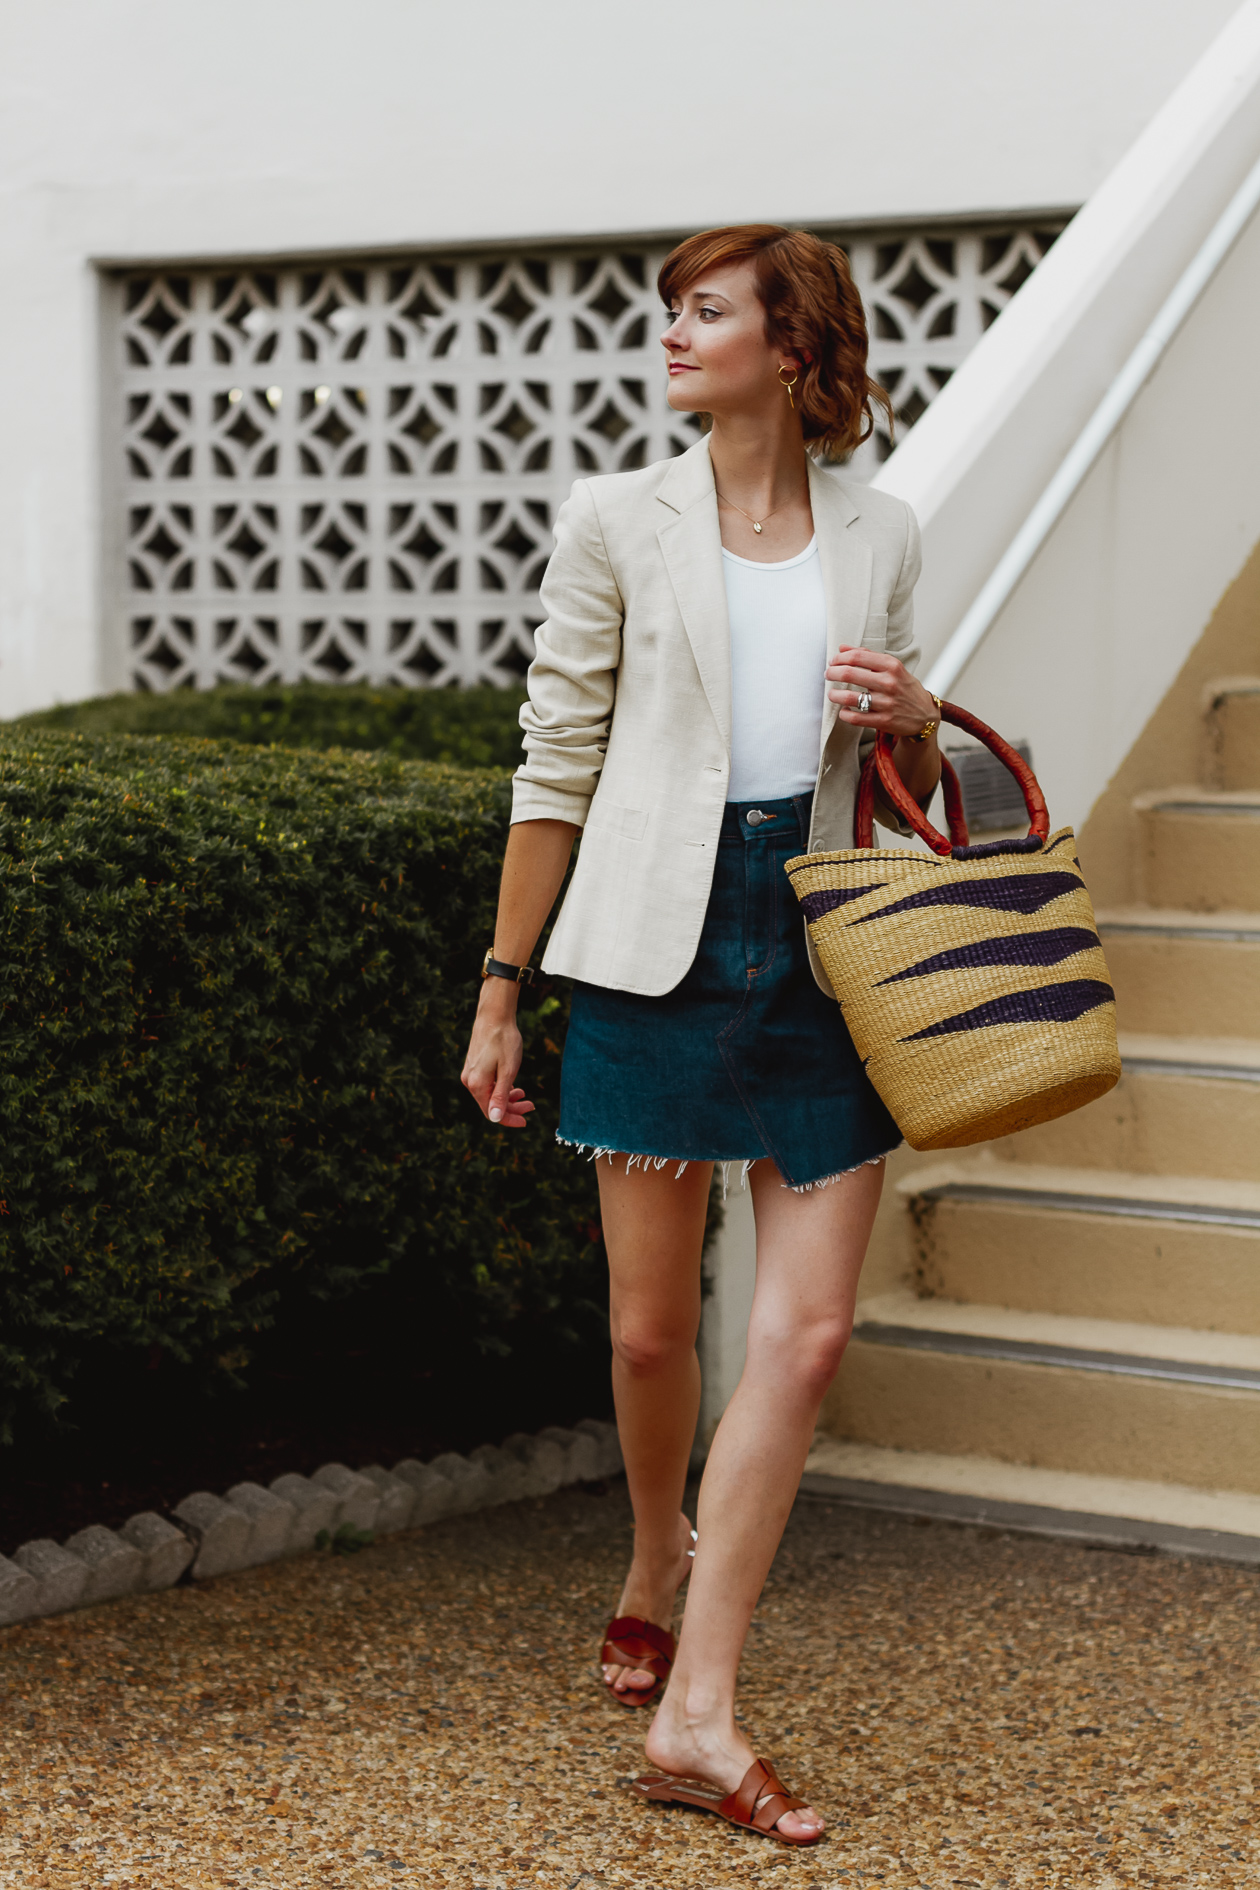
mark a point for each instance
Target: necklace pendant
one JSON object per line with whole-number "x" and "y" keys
{"x": 756, "y": 527}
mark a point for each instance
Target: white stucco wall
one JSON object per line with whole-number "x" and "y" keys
{"x": 135, "y": 130}
{"x": 138, "y": 126}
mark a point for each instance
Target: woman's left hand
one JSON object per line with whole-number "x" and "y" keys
{"x": 900, "y": 705}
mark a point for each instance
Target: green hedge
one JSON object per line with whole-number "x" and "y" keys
{"x": 236, "y": 988}
{"x": 470, "y": 728}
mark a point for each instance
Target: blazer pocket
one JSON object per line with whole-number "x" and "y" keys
{"x": 629, "y": 822}
{"x": 875, "y": 635}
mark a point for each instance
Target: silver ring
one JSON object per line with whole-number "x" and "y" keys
{"x": 864, "y": 702}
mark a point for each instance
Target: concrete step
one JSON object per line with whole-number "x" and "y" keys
{"x": 1233, "y": 723}
{"x": 1179, "y": 972}
{"x": 1160, "y": 1404}
{"x": 1183, "y": 1104}
{"x": 1130, "y": 1346}
{"x": 1065, "y": 1505}
{"x": 1095, "y": 1243}
{"x": 1201, "y": 848}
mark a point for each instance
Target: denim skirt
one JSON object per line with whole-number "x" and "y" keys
{"x": 746, "y": 1057}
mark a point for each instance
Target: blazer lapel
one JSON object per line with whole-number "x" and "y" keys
{"x": 691, "y": 544}
{"x": 846, "y": 570}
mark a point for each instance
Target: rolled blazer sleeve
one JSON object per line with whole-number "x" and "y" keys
{"x": 902, "y": 645}
{"x": 573, "y": 677}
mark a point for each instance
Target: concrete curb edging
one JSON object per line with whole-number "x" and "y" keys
{"x": 249, "y": 1525}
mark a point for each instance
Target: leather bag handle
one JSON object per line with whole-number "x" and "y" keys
{"x": 880, "y": 762}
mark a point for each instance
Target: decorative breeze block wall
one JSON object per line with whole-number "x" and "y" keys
{"x": 351, "y": 471}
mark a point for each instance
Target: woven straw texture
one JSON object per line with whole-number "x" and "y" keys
{"x": 975, "y": 989}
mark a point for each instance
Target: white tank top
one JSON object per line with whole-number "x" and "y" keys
{"x": 778, "y": 617}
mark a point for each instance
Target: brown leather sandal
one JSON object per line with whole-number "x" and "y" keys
{"x": 757, "y": 1805}
{"x": 642, "y": 1646}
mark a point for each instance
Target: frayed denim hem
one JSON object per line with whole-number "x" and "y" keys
{"x": 662, "y": 1161}
{"x": 657, "y": 1162}
{"x": 872, "y": 1161}
{"x": 632, "y": 1161}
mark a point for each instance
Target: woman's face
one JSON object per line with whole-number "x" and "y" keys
{"x": 720, "y": 361}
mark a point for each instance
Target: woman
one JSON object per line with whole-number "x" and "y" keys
{"x": 721, "y": 629}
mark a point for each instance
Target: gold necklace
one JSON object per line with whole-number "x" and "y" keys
{"x": 755, "y": 523}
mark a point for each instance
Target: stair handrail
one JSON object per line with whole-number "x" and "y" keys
{"x": 1094, "y": 437}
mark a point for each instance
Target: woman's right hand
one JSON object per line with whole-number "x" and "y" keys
{"x": 494, "y": 1057}
{"x": 534, "y": 866}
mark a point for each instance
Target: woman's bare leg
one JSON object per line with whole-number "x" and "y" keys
{"x": 810, "y": 1249}
{"x": 654, "y": 1233}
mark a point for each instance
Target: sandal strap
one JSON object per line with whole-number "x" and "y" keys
{"x": 631, "y": 1642}
{"x": 761, "y": 1799}
{"x": 659, "y": 1638}
{"x": 771, "y": 1809}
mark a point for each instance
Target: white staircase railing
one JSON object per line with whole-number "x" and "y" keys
{"x": 980, "y": 459}
{"x": 1094, "y": 437}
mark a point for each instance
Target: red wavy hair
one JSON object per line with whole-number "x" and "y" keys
{"x": 813, "y": 312}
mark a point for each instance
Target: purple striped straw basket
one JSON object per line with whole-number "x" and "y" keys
{"x": 972, "y": 979}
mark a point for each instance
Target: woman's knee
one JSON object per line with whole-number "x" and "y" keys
{"x": 647, "y": 1345}
{"x": 804, "y": 1354}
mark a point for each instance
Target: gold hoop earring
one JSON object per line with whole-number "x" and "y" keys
{"x": 789, "y": 385}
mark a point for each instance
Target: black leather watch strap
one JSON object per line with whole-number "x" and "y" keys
{"x": 492, "y": 967}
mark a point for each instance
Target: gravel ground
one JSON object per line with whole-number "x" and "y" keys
{"x": 967, "y": 1708}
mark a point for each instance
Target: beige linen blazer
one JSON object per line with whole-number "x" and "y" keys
{"x": 628, "y": 723}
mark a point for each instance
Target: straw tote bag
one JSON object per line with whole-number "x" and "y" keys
{"x": 973, "y": 983}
